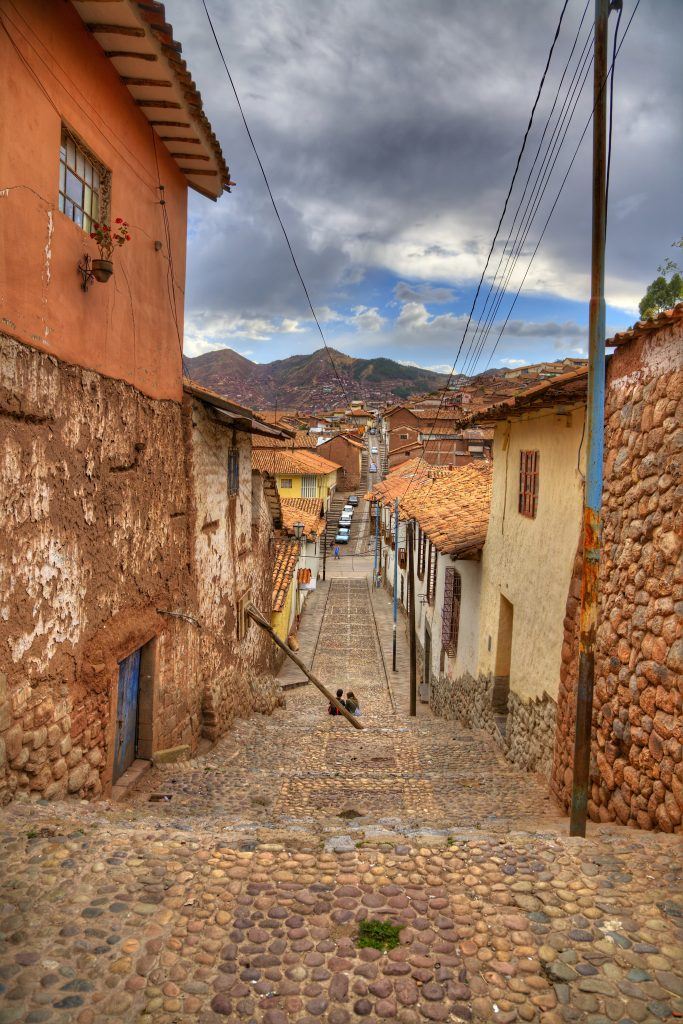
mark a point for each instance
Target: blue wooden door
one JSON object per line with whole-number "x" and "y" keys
{"x": 127, "y": 713}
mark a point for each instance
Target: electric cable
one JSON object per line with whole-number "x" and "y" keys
{"x": 275, "y": 207}
{"x": 502, "y": 216}
{"x": 616, "y": 51}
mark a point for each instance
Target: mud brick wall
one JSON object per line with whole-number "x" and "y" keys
{"x": 233, "y": 552}
{"x": 638, "y": 771}
{"x": 95, "y": 539}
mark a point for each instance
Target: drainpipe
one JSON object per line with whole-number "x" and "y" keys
{"x": 595, "y": 436}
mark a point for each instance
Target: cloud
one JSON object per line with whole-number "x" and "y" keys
{"x": 402, "y": 177}
{"x": 422, "y": 293}
{"x": 207, "y": 331}
{"x": 367, "y": 319}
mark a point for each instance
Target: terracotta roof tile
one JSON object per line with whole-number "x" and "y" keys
{"x": 285, "y": 462}
{"x": 453, "y": 509}
{"x": 301, "y": 439}
{"x": 566, "y": 389}
{"x": 666, "y": 318}
{"x": 286, "y": 557}
{"x": 309, "y": 511}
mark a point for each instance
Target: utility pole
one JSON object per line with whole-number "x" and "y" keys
{"x": 393, "y": 660}
{"x": 374, "y": 564}
{"x": 595, "y": 417}
{"x": 411, "y": 620}
{"x": 325, "y": 548}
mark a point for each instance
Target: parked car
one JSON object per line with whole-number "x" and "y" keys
{"x": 373, "y": 467}
{"x": 345, "y": 523}
{"x": 353, "y": 500}
{"x": 348, "y": 508}
{"x": 373, "y": 451}
{"x": 342, "y": 537}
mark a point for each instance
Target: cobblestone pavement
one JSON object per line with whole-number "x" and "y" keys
{"x": 231, "y": 887}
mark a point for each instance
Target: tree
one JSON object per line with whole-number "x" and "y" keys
{"x": 666, "y": 289}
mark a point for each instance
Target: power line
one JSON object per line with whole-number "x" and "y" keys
{"x": 616, "y": 51}
{"x": 534, "y": 189}
{"x": 274, "y": 204}
{"x": 502, "y": 216}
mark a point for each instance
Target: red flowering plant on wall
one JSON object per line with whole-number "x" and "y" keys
{"x": 107, "y": 239}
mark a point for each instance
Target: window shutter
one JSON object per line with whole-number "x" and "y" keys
{"x": 450, "y": 617}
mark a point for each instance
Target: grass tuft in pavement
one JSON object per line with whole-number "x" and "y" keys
{"x": 378, "y": 934}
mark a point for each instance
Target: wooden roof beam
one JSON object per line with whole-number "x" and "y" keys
{"x": 115, "y": 30}
{"x": 130, "y": 53}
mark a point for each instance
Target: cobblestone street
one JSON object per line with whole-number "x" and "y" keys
{"x": 231, "y": 887}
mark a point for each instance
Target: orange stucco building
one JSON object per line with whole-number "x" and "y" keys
{"x": 110, "y": 78}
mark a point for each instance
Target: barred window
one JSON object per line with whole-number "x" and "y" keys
{"x": 450, "y": 615}
{"x": 285, "y": 482}
{"x": 528, "y": 483}
{"x": 83, "y": 184}
{"x": 432, "y": 567}
{"x": 421, "y": 552}
{"x": 233, "y": 471}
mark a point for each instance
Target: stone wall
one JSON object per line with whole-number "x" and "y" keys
{"x": 563, "y": 752}
{"x": 637, "y": 775}
{"x": 95, "y": 541}
{"x": 529, "y": 727}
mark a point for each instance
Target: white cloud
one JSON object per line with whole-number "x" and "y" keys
{"x": 207, "y": 331}
{"x": 513, "y": 362}
{"x": 366, "y": 318}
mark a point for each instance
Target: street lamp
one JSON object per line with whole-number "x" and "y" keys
{"x": 298, "y": 530}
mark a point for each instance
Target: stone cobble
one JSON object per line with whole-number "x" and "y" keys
{"x": 232, "y": 887}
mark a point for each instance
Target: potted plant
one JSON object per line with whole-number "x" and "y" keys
{"x": 106, "y": 240}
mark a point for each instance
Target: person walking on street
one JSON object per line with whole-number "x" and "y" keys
{"x": 336, "y": 551}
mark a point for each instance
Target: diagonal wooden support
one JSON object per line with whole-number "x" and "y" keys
{"x": 256, "y": 616}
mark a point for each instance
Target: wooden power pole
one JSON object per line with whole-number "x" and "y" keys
{"x": 595, "y": 419}
{"x": 411, "y": 619}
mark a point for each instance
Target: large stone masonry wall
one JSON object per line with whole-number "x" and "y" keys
{"x": 94, "y": 542}
{"x": 637, "y": 775}
{"x": 530, "y": 725}
{"x": 563, "y": 753}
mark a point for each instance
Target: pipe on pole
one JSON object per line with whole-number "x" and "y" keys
{"x": 411, "y": 620}
{"x": 595, "y": 417}
{"x": 256, "y": 616}
{"x": 393, "y": 659}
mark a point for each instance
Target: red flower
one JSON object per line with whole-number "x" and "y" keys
{"x": 92, "y": 234}
{"x": 128, "y": 238}
{"x": 119, "y": 220}
{"x": 95, "y": 224}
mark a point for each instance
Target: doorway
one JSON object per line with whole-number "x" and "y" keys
{"x": 133, "y": 736}
{"x": 125, "y": 744}
{"x": 501, "y": 677}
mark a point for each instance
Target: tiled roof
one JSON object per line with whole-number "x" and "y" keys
{"x": 286, "y": 557}
{"x": 453, "y": 509}
{"x": 239, "y": 415}
{"x": 285, "y": 462}
{"x": 667, "y": 318}
{"x": 344, "y": 437}
{"x": 568, "y": 389}
{"x": 138, "y": 41}
{"x": 309, "y": 511}
{"x": 301, "y": 439}
{"x": 399, "y": 479}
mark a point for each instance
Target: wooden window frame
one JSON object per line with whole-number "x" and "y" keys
{"x": 233, "y": 471}
{"x": 80, "y": 164}
{"x": 286, "y": 483}
{"x": 432, "y": 573}
{"x": 528, "y": 483}
{"x": 421, "y": 551}
{"x": 450, "y": 612}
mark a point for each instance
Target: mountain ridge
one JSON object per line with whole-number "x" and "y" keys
{"x": 308, "y": 381}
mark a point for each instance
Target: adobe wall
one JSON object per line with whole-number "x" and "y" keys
{"x": 637, "y": 775}
{"x": 345, "y": 455}
{"x": 52, "y": 71}
{"x": 233, "y": 553}
{"x": 95, "y": 540}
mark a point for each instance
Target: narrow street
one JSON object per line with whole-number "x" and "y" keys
{"x": 231, "y": 886}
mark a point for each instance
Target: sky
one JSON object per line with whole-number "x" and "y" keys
{"x": 389, "y": 130}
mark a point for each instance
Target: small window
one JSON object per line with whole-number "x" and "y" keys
{"x": 528, "y": 483}
{"x": 432, "y": 567}
{"x": 83, "y": 184}
{"x": 450, "y": 615}
{"x": 403, "y": 437}
{"x": 285, "y": 482}
{"x": 233, "y": 471}
{"x": 421, "y": 553}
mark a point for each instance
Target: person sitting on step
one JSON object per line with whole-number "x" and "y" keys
{"x": 333, "y": 709}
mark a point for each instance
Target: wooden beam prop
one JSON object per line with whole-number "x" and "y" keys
{"x": 260, "y": 620}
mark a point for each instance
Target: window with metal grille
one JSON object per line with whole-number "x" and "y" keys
{"x": 450, "y": 615}
{"x": 528, "y": 483}
{"x": 285, "y": 482}
{"x": 432, "y": 566}
{"x": 233, "y": 471}
{"x": 421, "y": 551}
{"x": 83, "y": 184}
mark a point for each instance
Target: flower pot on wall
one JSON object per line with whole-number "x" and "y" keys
{"x": 102, "y": 269}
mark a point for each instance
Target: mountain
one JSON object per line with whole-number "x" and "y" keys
{"x": 309, "y": 382}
